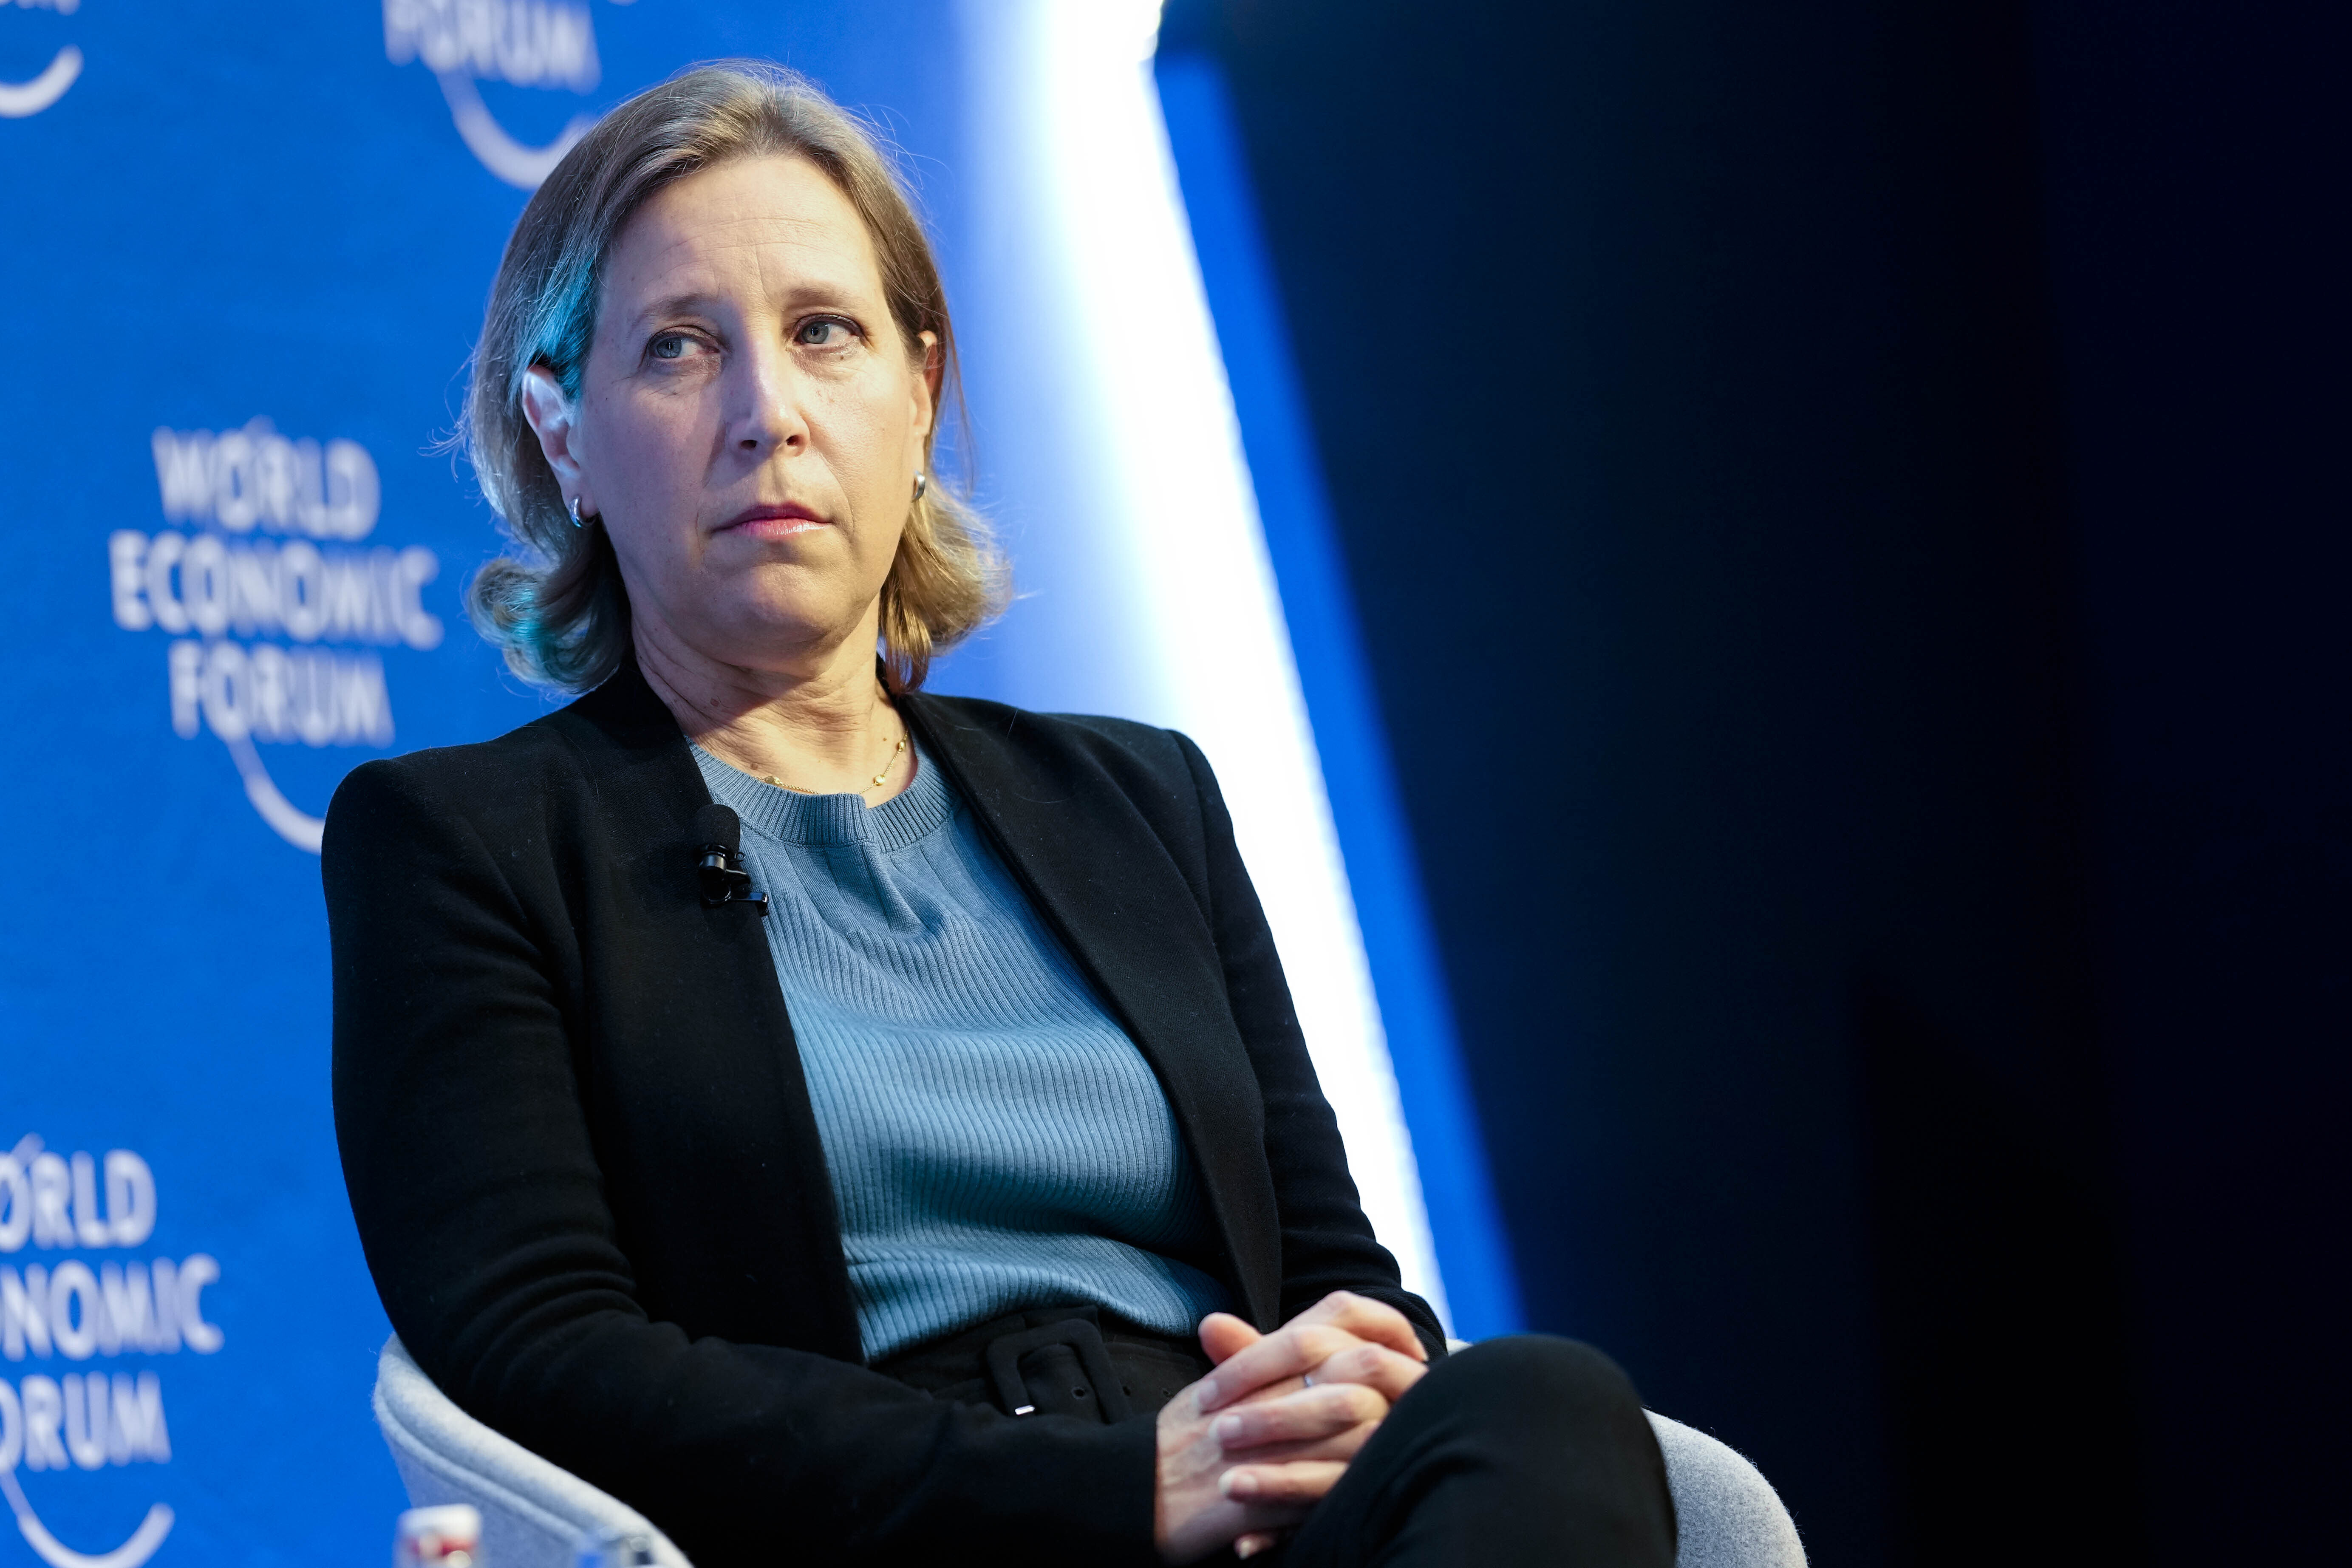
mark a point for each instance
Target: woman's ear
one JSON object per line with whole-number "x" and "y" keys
{"x": 555, "y": 420}
{"x": 935, "y": 364}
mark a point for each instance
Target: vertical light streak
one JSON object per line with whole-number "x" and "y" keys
{"x": 1083, "y": 223}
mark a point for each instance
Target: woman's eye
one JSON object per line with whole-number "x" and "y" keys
{"x": 823, "y": 332}
{"x": 670, "y": 345}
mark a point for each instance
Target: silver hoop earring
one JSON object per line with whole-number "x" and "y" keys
{"x": 922, "y": 483}
{"x": 574, "y": 506}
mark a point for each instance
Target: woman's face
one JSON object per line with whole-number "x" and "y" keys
{"x": 751, "y": 420}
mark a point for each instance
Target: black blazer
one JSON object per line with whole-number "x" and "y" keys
{"x": 588, "y": 1177}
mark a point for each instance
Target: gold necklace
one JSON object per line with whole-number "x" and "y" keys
{"x": 888, "y": 763}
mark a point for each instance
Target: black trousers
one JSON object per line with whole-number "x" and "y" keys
{"x": 1525, "y": 1450}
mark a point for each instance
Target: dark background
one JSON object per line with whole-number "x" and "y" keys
{"x": 1844, "y": 501}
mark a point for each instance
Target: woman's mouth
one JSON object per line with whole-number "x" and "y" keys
{"x": 778, "y": 521}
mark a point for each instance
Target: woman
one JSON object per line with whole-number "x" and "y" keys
{"x": 964, "y": 1192}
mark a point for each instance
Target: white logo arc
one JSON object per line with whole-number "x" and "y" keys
{"x": 19, "y": 99}
{"x": 500, "y": 153}
{"x": 58, "y": 1554}
{"x": 294, "y": 825}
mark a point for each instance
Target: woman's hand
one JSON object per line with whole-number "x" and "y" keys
{"x": 1389, "y": 1359}
{"x": 1245, "y": 1452}
{"x": 1254, "y": 1469}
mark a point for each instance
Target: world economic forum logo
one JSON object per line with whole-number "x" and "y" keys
{"x": 530, "y": 43}
{"x": 19, "y": 99}
{"x": 70, "y": 1400}
{"x": 273, "y": 609}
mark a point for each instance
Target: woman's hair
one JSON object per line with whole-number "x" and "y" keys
{"x": 560, "y": 612}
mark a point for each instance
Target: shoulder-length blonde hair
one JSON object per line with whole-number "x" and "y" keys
{"x": 558, "y": 609}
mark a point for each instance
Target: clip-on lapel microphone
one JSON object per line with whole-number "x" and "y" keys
{"x": 719, "y": 863}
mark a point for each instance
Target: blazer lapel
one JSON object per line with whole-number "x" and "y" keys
{"x": 702, "y": 1083}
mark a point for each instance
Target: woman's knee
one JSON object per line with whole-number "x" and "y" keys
{"x": 1540, "y": 1376}
{"x": 1525, "y": 1439}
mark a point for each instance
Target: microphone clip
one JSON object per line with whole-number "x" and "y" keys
{"x": 726, "y": 883}
{"x": 717, "y": 865}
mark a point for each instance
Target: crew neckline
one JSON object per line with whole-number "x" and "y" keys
{"x": 921, "y": 809}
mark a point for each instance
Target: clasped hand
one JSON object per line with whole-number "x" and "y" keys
{"x": 1249, "y": 1449}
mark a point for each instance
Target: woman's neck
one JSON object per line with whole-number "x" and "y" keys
{"x": 821, "y": 724}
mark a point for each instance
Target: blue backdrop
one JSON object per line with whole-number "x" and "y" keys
{"x": 247, "y": 250}
{"x": 245, "y": 257}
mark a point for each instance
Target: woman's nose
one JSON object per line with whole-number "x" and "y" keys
{"x": 767, "y": 416}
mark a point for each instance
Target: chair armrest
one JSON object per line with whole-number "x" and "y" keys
{"x": 534, "y": 1512}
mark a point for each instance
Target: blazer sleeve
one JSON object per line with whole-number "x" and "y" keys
{"x": 467, "y": 1151}
{"x": 1327, "y": 1242}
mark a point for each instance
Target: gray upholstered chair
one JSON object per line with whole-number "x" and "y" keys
{"x": 534, "y": 1514}
{"x": 1730, "y": 1515}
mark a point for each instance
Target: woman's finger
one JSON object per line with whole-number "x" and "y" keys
{"x": 1223, "y": 1335}
{"x": 1307, "y": 1417}
{"x": 1280, "y": 1388}
{"x": 1375, "y": 1367}
{"x": 1341, "y": 1448}
{"x": 1288, "y": 1352}
{"x": 1298, "y": 1482}
{"x": 1247, "y": 1362}
{"x": 1367, "y": 1319}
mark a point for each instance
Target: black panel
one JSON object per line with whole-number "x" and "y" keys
{"x": 1844, "y": 500}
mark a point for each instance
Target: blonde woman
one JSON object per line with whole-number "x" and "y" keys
{"x": 833, "y": 1119}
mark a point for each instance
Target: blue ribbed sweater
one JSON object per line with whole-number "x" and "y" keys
{"x": 994, "y": 1139}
